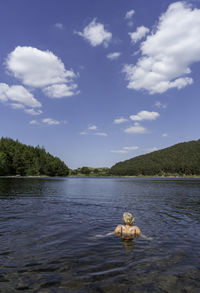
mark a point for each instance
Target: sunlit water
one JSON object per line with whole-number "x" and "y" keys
{"x": 47, "y": 228}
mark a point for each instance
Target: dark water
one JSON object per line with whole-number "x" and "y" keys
{"x": 47, "y": 228}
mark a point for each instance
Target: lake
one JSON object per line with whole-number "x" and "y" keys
{"x": 47, "y": 229}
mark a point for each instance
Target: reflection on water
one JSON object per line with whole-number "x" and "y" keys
{"x": 128, "y": 245}
{"x": 47, "y": 228}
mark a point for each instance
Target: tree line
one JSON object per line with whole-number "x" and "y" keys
{"x": 88, "y": 171}
{"x": 24, "y": 160}
{"x": 180, "y": 159}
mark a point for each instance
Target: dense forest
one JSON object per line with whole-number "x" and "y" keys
{"x": 19, "y": 159}
{"x": 180, "y": 159}
{"x": 88, "y": 171}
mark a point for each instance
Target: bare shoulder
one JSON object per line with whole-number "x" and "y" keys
{"x": 118, "y": 229}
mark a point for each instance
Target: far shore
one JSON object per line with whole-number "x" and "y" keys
{"x": 111, "y": 176}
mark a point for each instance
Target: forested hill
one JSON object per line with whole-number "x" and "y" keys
{"x": 180, "y": 159}
{"x": 20, "y": 159}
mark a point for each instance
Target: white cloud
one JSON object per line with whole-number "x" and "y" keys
{"x": 3, "y": 90}
{"x": 136, "y": 129}
{"x": 164, "y": 135}
{"x": 168, "y": 53}
{"x": 119, "y": 151}
{"x": 33, "y": 112}
{"x": 19, "y": 94}
{"x": 35, "y": 67}
{"x": 34, "y": 122}
{"x": 160, "y": 105}
{"x": 140, "y": 33}
{"x": 50, "y": 121}
{"x": 145, "y": 115}
{"x": 130, "y": 148}
{"x": 95, "y": 34}
{"x": 130, "y": 23}
{"x": 30, "y": 111}
{"x": 92, "y": 127}
{"x": 150, "y": 150}
{"x": 59, "y": 25}
{"x": 129, "y": 14}
{"x": 90, "y": 131}
{"x": 120, "y": 120}
{"x": 60, "y": 90}
{"x": 125, "y": 150}
{"x": 114, "y": 55}
{"x": 83, "y": 132}
{"x": 41, "y": 69}
{"x": 17, "y": 106}
{"x": 101, "y": 133}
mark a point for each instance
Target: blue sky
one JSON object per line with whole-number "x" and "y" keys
{"x": 98, "y": 82}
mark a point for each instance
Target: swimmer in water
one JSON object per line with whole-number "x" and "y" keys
{"x": 127, "y": 231}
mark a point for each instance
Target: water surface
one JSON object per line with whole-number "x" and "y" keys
{"x": 47, "y": 228}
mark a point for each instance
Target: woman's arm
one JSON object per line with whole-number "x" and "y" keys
{"x": 145, "y": 237}
{"x": 117, "y": 230}
{"x": 139, "y": 233}
{"x": 102, "y": 236}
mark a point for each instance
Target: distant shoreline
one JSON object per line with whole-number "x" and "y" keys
{"x": 111, "y": 176}
{"x": 127, "y": 176}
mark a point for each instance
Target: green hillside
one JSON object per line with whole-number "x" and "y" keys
{"x": 20, "y": 159}
{"x": 180, "y": 159}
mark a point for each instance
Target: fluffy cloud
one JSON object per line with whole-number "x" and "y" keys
{"x": 164, "y": 135}
{"x": 83, "y": 133}
{"x": 130, "y": 148}
{"x": 90, "y": 131}
{"x": 92, "y": 127}
{"x": 168, "y": 53}
{"x": 35, "y": 67}
{"x": 33, "y": 112}
{"x": 139, "y": 34}
{"x": 101, "y": 134}
{"x": 21, "y": 97}
{"x": 114, "y": 55}
{"x": 50, "y": 121}
{"x": 129, "y": 14}
{"x": 136, "y": 129}
{"x": 41, "y": 69}
{"x": 95, "y": 34}
{"x": 34, "y": 122}
{"x": 145, "y": 115}
{"x": 60, "y": 90}
{"x": 160, "y": 105}
{"x": 30, "y": 111}
{"x": 119, "y": 151}
{"x": 59, "y": 25}
{"x": 120, "y": 120}
{"x": 17, "y": 106}
{"x": 125, "y": 150}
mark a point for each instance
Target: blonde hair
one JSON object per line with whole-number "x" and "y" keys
{"x": 128, "y": 218}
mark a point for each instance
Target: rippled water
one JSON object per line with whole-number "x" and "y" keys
{"x": 47, "y": 228}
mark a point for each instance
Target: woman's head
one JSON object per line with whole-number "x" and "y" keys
{"x": 128, "y": 218}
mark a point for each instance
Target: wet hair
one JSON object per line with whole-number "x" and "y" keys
{"x": 128, "y": 218}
